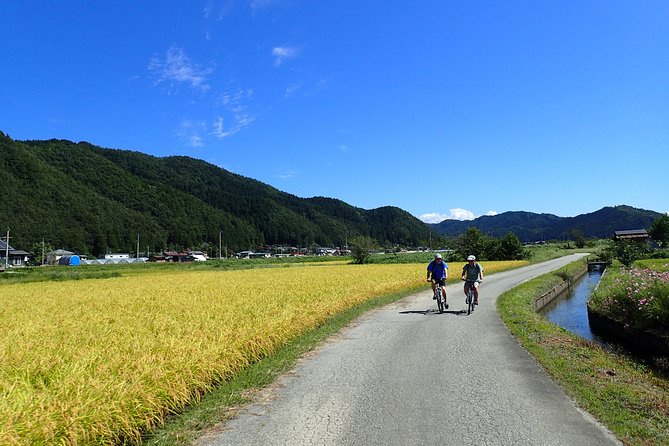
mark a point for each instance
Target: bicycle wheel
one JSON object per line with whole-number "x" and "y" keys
{"x": 440, "y": 301}
{"x": 470, "y": 298}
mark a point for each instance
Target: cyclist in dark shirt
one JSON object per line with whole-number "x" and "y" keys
{"x": 472, "y": 274}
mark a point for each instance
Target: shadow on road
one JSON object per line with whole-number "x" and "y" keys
{"x": 431, "y": 311}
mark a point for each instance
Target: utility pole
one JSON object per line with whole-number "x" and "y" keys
{"x": 137, "y": 257}
{"x": 42, "y": 252}
{"x": 219, "y": 244}
{"x": 7, "y": 250}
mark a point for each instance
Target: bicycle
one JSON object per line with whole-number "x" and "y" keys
{"x": 470, "y": 299}
{"x": 439, "y": 297}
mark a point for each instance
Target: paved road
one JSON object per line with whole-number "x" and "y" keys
{"x": 403, "y": 376}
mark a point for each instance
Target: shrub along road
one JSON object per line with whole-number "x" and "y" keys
{"x": 406, "y": 375}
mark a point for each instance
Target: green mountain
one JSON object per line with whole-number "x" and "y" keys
{"x": 90, "y": 199}
{"x": 530, "y": 227}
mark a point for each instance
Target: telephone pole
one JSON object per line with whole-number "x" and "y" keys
{"x": 7, "y": 250}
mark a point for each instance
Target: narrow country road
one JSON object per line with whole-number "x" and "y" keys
{"x": 401, "y": 375}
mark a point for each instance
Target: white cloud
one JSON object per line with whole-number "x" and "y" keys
{"x": 433, "y": 217}
{"x": 282, "y": 53}
{"x": 461, "y": 214}
{"x": 177, "y": 68}
{"x": 491, "y": 213}
{"x": 453, "y": 214}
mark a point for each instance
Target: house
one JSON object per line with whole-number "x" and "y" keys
{"x": 199, "y": 256}
{"x": 53, "y": 257}
{"x": 639, "y": 235}
{"x": 15, "y": 257}
{"x": 116, "y": 256}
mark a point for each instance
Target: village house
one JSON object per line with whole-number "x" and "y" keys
{"x": 10, "y": 257}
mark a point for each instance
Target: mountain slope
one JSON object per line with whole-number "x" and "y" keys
{"x": 90, "y": 199}
{"x": 529, "y": 227}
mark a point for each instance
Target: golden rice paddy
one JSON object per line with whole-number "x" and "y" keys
{"x": 101, "y": 361}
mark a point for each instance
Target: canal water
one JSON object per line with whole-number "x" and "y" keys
{"x": 569, "y": 311}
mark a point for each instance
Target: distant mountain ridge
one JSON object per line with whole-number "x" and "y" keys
{"x": 531, "y": 227}
{"x": 91, "y": 200}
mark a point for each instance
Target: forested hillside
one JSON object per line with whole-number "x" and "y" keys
{"x": 89, "y": 199}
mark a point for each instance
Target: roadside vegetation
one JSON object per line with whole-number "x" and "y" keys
{"x": 626, "y": 396}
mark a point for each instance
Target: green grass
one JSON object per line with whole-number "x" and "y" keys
{"x": 628, "y": 398}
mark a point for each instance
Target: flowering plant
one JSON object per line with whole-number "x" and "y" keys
{"x": 636, "y": 297}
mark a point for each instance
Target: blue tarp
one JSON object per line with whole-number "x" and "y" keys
{"x": 70, "y": 260}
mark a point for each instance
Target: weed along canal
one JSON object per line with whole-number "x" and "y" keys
{"x": 569, "y": 310}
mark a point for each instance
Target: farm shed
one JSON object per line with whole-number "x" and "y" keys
{"x": 639, "y": 235}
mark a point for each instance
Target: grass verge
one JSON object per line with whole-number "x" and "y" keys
{"x": 625, "y": 396}
{"x": 222, "y": 403}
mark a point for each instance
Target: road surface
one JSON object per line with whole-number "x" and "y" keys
{"x": 406, "y": 375}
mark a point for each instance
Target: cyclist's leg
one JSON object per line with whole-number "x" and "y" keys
{"x": 434, "y": 288}
{"x": 476, "y": 292}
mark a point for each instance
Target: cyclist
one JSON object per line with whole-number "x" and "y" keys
{"x": 439, "y": 272}
{"x": 472, "y": 274}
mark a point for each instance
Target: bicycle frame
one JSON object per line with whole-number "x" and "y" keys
{"x": 470, "y": 295}
{"x": 439, "y": 295}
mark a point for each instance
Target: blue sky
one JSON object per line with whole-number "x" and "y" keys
{"x": 445, "y": 109}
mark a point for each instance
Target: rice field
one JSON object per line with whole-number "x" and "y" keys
{"x": 103, "y": 360}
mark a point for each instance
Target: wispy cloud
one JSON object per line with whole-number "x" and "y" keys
{"x": 218, "y": 9}
{"x": 259, "y": 4}
{"x": 177, "y": 68}
{"x": 292, "y": 89}
{"x": 281, "y": 53}
{"x": 286, "y": 175}
{"x": 239, "y": 117}
{"x": 219, "y": 130}
{"x": 189, "y": 132}
{"x": 234, "y": 97}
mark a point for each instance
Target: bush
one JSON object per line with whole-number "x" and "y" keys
{"x": 361, "y": 249}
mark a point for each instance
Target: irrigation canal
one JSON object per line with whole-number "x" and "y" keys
{"x": 569, "y": 310}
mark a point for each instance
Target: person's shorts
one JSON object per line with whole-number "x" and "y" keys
{"x": 468, "y": 283}
{"x": 441, "y": 282}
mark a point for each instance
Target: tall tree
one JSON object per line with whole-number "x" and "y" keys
{"x": 659, "y": 230}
